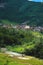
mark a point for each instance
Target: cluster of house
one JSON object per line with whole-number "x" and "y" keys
{"x": 5, "y": 25}
{"x": 38, "y": 28}
{"x": 22, "y": 26}
{"x": 15, "y": 26}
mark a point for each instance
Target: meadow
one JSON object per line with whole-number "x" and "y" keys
{"x": 7, "y": 60}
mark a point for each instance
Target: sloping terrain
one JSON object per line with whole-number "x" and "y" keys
{"x": 22, "y": 11}
{"x": 7, "y": 60}
{"x": 22, "y": 41}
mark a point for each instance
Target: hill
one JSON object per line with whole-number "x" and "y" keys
{"x": 19, "y": 11}
{"x": 22, "y": 41}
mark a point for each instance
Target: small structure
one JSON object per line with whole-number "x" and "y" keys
{"x": 27, "y": 27}
{"x": 38, "y": 28}
{"x": 22, "y": 26}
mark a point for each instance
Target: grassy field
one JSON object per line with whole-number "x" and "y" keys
{"x": 7, "y": 60}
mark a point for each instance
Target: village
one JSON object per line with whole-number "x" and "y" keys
{"x": 22, "y": 26}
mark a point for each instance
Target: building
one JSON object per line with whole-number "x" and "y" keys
{"x": 39, "y": 28}
{"x": 22, "y": 26}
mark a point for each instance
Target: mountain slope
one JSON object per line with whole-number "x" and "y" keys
{"x": 22, "y": 11}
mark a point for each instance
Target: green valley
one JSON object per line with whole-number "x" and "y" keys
{"x": 21, "y": 32}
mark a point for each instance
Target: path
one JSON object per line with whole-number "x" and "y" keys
{"x": 18, "y": 55}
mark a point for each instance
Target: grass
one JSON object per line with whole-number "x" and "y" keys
{"x": 17, "y": 48}
{"x": 7, "y": 60}
{"x": 8, "y": 22}
{"x": 20, "y": 48}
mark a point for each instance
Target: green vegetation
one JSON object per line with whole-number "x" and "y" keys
{"x": 19, "y": 11}
{"x": 27, "y": 42}
{"x": 8, "y": 22}
{"x": 22, "y": 41}
{"x": 7, "y": 60}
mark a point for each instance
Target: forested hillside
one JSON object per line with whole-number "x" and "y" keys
{"x": 22, "y": 41}
{"x": 21, "y": 11}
